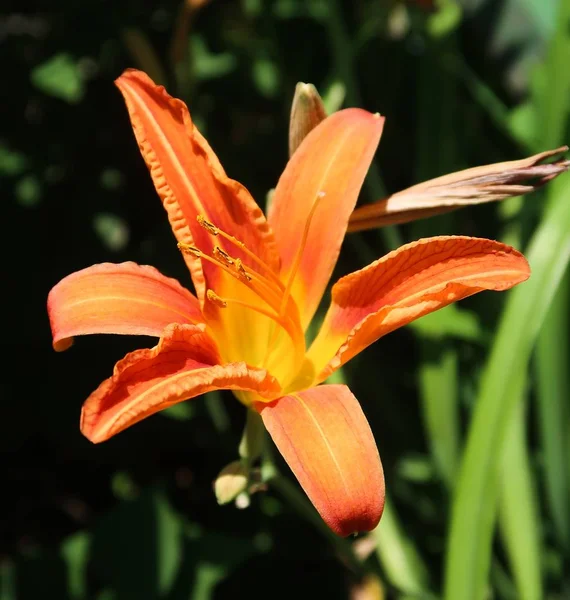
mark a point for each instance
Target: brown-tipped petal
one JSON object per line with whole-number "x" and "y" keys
{"x": 472, "y": 186}
{"x": 183, "y": 365}
{"x": 307, "y": 111}
{"x": 124, "y": 298}
{"x": 191, "y": 181}
{"x": 325, "y": 438}
{"x": 406, "y": 284}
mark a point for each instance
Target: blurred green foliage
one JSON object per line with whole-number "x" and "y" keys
{"x": 469, "y": 82}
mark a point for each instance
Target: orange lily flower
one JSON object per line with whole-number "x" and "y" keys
{"x": 258, "y": 284}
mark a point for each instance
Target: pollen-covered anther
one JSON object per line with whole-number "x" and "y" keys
{"x": 215, "y": 299}
{"x": 238, "y": 265}
{"x": 209, "y": 227}
{"x": 223, "y": 255}
{"x": 188, "y": 249}
{"x": 215, "y": 231}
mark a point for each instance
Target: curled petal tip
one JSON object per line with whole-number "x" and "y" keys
{"x": 477, "y": 185}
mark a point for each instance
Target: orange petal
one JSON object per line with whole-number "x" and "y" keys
{"x": 122, "y": 298}
{"x": 183, "y": 365}
{"x": 406, "y": 284}
{"x": 191, "y": 181}
{"x": 328, "y": 167}
{"x": 463, "y": 188}
{"x": 325, "y": 438}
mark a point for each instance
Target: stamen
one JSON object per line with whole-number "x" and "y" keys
{"x": 188, "y": 249}
{"x": 235, "y": 268}
{"x": 223, "y": 255}
{"x": 215, "y": 231}
{"x": 285, "y": 323}
{"x": 209, "y": 227}
{"x": 215, "y": 299}
{"x": 269, "y": 290}
{"x": 240, "y": 269}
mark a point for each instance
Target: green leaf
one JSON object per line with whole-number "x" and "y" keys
{"x": 183, "y": 411}
{"x": 472, "y": 522}
{"x": 519, "y": 517}
{"x": 553, "y": 391}
{"x": 208, "y": 65}
{"x": 28, "y": 191}
{"x": 75, "y": 552}
{"x": 113, "y": 231}
{"x": 137, "y": 548}
{"x": 400, "y": 560}
{"x": 438, "y": 377}
{"x": 60, "y": 77}
{"x": 266, "y": 77}
{"x": 449, "y": 321}
{"x": 208, "y": 559}
{"x": 553, "y": 348}
{"x": 333, "y": 96}
{"x": 12, "y": 162}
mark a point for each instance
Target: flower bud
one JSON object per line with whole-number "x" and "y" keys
{"x": 307, "y": 111}
{"x": 231, "y": 482}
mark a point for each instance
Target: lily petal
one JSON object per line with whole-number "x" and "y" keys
{"x": 191, "y": 181}
{"x": 325, "y": 438}
{"x": 315, "y": 197}
{"x": 406, "y": 284}
{"x": 183, "y": 365}
{"x": 124, "y": 298}
{"x": 462, "y": 188}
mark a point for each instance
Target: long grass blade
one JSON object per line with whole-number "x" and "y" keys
{"x": 553, "y": 389}
{"x": 400, "y": 561}
{"x": 518, "y": 510}
{"x": 472, "y": 523}
{"x": 553, "y": 351}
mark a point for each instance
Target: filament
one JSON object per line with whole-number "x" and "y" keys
{"x": 215, "y": 231}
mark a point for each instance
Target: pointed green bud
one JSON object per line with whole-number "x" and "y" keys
{"x": 307, "y": 111}
{"x": 231, "y": 482}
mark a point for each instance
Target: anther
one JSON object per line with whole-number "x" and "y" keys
{"x": 188, "y": 249}
{"x": 209, "y": 227}
{"x": 219, "y": 253}
{"x": 241, "y": 271}
{"x": 215, "y": 299}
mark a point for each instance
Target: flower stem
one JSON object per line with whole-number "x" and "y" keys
{"x": 298, "y": 501}
{"x": 253, "y": 437}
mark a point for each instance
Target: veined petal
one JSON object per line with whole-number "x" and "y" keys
{"x": 406, "y": 284}
{"x": 124, "y": 298}
{"x": 315, "y": 197}
{"x": 325, "y": 438}
{"x": 183, "y": 365}
{"x": 191, "y": 181}
{"x": 462, "y": 188}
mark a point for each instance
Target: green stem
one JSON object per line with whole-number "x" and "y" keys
{"x": 253, "y": 438}
{"x": 298, "y": 501}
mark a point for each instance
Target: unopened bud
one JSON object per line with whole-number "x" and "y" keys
{"x": 231, "y": 482}
{"x": 307, "y": 111}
